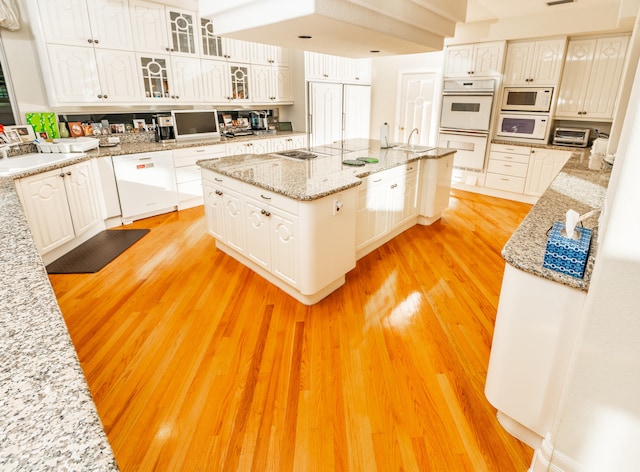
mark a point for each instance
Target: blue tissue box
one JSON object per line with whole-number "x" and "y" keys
{"x": 567, "y": 255}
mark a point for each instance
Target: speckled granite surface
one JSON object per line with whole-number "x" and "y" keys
{"x": 48, "y": 421}
{"x": 318, "y": 177}
{"x": 576, "y": 187}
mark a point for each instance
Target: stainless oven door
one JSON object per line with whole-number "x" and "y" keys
{"x": 466, "y": 112}
{"x": 471, "y": 148}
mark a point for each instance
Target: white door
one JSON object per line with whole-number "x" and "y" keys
{"x": 75, "y": 74}
{"x": 81, "y": 193}
{"x": 357, "y": 111}
{"x": 110, "y": 24}
{"x": 65, "y": 21}
{"x": 118, "y": 72}
{"x": 417, "y": 108}
{"x": 261, "y": 83}
{"x": 187, "y": 86}
{"x": 325, "y": 113}
{"x": 183, "y": 30}
{"x": 215, "y": 81}
{"x": 283, "y": 246}
{"x": 258, "y": 235}
{"x": 149, "y": 27}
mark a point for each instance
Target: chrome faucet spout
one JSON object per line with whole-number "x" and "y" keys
{"x": 414, "y": 130}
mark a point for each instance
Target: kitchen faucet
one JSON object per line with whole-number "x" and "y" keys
{"x": 414, "y": 130}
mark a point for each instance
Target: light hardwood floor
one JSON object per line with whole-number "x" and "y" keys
{"x": 198, "y": 364}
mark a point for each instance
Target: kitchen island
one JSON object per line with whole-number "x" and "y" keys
{"x": 302, "y": 223}
{"x": 540, "y": 310}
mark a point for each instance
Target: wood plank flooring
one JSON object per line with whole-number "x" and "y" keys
{"x": 198, "y": 364}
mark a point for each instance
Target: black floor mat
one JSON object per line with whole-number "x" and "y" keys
{"x": 97, "y": 252}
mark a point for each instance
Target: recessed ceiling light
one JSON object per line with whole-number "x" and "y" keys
{"x": 559, "y": 2}
{"x": 304, "y": 36}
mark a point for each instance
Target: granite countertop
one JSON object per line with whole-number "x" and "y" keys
{"x": 576, "y": 187}
{"x": 315, "y": 178}
{"x": 48, "y": 420}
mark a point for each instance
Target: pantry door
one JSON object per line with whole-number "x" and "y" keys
{"x": 417, "y": 109}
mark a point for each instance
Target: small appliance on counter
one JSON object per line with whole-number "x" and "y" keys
{"x": 165, "y": 132}
{"x": 576, "y": 137}
{"x": 599, "y": 153}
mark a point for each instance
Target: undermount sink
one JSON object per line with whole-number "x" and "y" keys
{"x": 413, "y": 148}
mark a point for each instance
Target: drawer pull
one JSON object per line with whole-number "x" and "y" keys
{"x": 217, "y": 179}
{"x": 378, "y": 180}
{"x": 200, "y": 150}
{"x": 266, "y": 198}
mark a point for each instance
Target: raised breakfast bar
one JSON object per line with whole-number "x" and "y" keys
{"x": 303, "y": 223}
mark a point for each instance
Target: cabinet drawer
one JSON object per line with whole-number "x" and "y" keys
{"x": 271, "y": 198}
{"x": 223, "y": 180}
{"x": 505, "y": 182}
{"x": 515, "y": 169}
{"x": 189, "y": 156}
{"x": 511, "y": 149}
{"x": 509, "y": 156}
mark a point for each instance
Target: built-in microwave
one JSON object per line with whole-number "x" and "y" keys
{"x": 529, "y": 99}
{"x": 524, "y": 126}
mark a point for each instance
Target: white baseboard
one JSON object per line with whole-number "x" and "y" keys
{"x": 546, "y": 459}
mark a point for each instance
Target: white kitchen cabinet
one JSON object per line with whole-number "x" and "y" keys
{"x": 591, "y": 78}
{"x": 60, "y": 204}
{"x": 507, "y": 168}
{"x": 103, "y": 23}
{"x": 303, "y": 247}
{"x": 170, "y": 78}
{"x": 82, "y": 75}
{"x": 268, "y": 54}
{"x": 288, "y": 143}
{"x": 216, "y": 85}
{"x": 271, "y": 232}
{"x": 386, "y": 201}
{"x": 224, "y": 210}
{"x": 325, "y": 113}
{"x": 544, "y": 166}
{"x": 255, "y": 146}
{"x": 270, "y": 84}
{"x": 188, "y": 176}
{"x": 531, "y": 63}
{"x": 164, "y": 29}
{"x": 479, "y": 59}
{"x": 326, "y": 67}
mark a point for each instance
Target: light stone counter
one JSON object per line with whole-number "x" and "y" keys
{"x": 576, "y": 187}
{"x": 315, "y": 178}
{"x": 48, "y": 421}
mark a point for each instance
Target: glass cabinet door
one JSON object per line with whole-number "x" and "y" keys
{"x": 182, "y": 27}
{"x": 239, "y": 82}
{"x": 155, "y": 77}
{"x": 211, "y": 44}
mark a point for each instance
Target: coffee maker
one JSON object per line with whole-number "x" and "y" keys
{"x": 164, "y": 129}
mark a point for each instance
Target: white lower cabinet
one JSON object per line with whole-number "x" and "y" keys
{"x": 188, "y": 177}
{"x": 386, "y": 200}
{"x": 303, "y": 247}
{"x": 60, "y": 204}
{"x": 288, "y": 143}
{"x": 544, "y": 165}
{"x": 271, "y": 233}
{"x": 256, "y": 146}
{"x": 507, "y": 167}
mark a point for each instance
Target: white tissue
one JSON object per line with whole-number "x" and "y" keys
{"x": 570, "y": 223}
{"x": 572, "y": 219}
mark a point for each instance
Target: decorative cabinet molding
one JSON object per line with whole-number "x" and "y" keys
{"x": 534, "y": 62}
{"x": 591, "y": 78}
{"x": 101, "y": 52}
{"x": 474, "y": 60}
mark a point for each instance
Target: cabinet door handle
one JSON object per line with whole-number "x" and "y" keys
{"x": 218, "y": 192}
{"x": 61, "y": 174}
{"x": 89, "y": 40}
{"x": 394, "y": 185}
{"x": 262, "y": 212}
{"x": 96, "y": 41}
{"x": 267, "y": 213}
{"x": 68, "y": 172}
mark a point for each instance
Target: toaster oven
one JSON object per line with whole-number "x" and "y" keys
{"x": 576, "y": 137}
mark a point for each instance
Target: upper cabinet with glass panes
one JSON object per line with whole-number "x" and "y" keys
{"x": 217, "y": 47}
{"x": 164, "y": 29}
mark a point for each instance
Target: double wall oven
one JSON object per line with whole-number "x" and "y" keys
{"x": 464, "y": 120}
